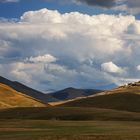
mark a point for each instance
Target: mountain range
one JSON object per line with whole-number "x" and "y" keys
{"x": 59, "y": 96}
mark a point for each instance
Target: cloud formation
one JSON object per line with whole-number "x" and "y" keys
{"x": 129, "y": 6}
{"x": 47, "y": 58}
{"x": 111, "y": 68}
{"x": 102, "y": 3}
{"x": 138, "y": 67}
{"x": 49, "y": 50}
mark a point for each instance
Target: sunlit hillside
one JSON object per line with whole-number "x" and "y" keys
{"x": 10, "y": 98}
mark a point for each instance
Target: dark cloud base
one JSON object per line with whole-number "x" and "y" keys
{"x": 102, "y": 3}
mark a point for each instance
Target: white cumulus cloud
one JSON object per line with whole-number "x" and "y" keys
{"x": 111, "y": 67}
{"x": 47, "y": 49}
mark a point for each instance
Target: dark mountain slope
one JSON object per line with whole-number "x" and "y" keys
{"x": 72, "y": 93}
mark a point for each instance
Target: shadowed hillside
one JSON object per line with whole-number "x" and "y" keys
{"x": 126, "y": 101}
{"x": 72, "y": 93}
{"x": 10, "y": 98}
{"x": 68, "y": 113}
{"x": 122, "y": 98}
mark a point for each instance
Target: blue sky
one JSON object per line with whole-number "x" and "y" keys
{"x": 16, "y": 9}
{"x": 55, "y": 44}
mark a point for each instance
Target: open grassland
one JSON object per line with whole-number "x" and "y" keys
{"x": 68, "y": 123}
{"x": 68, "y": 113}
{"x": 68, "y": 130}
{"x": 11, "y": 98}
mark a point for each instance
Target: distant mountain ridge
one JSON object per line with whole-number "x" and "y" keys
{"x": 62, "y": 95}
{"x": 72, "y": 93}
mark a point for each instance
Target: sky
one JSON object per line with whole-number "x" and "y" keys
{"x": 54, "y": 44}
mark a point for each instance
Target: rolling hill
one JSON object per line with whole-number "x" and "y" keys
{"x": 62, "y": 95}
{"x": 122, "y": 103}
{"x": 123, "y": 98}
{"x": 128, "y": 88}
{"x": 45, "y": 98}
{"x": 10, "y": 98}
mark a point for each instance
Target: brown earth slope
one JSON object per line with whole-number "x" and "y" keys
{"x": 10, "y": 98}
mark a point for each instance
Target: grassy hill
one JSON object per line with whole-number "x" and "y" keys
{"x": 129, "y": 88}
{"x": 11, "y": 98}
{"x": 45, "y": 98}
{"x": 126, "y": 101}
{"x": 122, "y": 98}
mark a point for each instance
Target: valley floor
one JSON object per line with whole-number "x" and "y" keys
{"x": 69, "y": 130}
